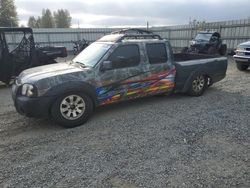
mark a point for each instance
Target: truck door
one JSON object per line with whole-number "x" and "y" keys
{"x": 122, "y": 81}
{"x": 162, "y": 71}
{"x": 5, "y": 61}
{"x": 1, "y": 49}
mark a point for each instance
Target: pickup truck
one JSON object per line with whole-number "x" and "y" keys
{"x": 115, "y": 68}
{"x": 242, "y": 56}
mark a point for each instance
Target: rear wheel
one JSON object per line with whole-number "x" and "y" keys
{"x": 241, "y": 67}
{"x": 198, "y": 85}
{"x": 72, "y": 109}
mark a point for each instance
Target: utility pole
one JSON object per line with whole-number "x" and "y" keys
{"x": 147, "y": 25}
{"x": 11, "y": 18}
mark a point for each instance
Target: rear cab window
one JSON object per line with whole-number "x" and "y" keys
{"x": 125, "y": 56}
{"x": 157, "y": 53}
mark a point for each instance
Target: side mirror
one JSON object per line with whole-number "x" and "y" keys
{"x": 106, "y": 65}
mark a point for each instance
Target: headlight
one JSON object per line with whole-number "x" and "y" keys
{"x": 240, "y": 48}
{"x": 28, "y": 90}
{"x": 192, "y": 42}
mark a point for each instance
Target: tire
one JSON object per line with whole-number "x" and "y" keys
{"x": 241, "y": 67}
{"x": 51, "y": 61}
{"x": 72, "y": 109}
{"x": 223, "y": 50}
{"x": 198, "y": 85}
{"x": 75, "y": 51}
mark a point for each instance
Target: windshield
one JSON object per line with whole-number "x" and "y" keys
{"x": 92, "y": 54}
{"x": 203, "y": 36}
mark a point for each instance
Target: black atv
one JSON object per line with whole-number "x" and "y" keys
{"x": 207, "y": 43}
{"x": 18, "y": 52}
{"x": 79, "y": 46}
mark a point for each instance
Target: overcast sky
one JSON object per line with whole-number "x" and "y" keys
{"x": 108, "y": 13}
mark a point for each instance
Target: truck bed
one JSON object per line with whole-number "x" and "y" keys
{"x": 188, "y": 56}
{"x": 190, "y": 65}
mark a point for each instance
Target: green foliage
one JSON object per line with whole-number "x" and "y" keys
{"x": 32, "y": 22}
{"x": 38, "y": 22}
{"x": 62, "y": 18}
{"x": 197, "y": 24}
{"x": 47, "y": 20}
{"x": 35, "y": 23}
{"x": 8, "y": 14}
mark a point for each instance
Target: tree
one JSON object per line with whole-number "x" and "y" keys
{"x": 47, "y": 20}
{"x": 38, "y": 22}
{"x": 32, "y": 22}
{"x": 62, "y": 18}
{"x": 8, "y": 14}
{"x": 197, "y": 24}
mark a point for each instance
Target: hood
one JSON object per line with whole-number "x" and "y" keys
{"x": 48, "y": 72}
{"x": 49, "y": 76}
{"x": 245, "y": 44}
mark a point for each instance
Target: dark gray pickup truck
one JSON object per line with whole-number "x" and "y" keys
{"x": 115, "y": 68}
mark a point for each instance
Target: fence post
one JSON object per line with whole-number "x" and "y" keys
{"x": 48, "y": 36}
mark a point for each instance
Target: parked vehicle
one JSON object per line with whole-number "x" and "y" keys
{"x": 115, "y": 68}
{"x": 14, "y": 58}
{"x": 207, "y": 43}
{"x": 79, "y": 46}
{"x": 242, "y": 56}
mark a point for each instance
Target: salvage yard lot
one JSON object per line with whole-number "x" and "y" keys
{"x": 176, "y": 141}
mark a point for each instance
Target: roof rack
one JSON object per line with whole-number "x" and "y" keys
{"x": 135, "y": 33}
{"x": 16, "y": 29}
{"x": 132, "y": 31}
{"x": 118, "y": 36}
{"x": 138, "y": 36}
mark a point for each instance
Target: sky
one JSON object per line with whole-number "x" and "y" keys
{"x": 117, "y": 13}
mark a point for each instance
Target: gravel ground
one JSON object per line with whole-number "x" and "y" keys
{"x": 176, "y": 141}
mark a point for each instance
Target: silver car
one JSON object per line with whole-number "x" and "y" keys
{"x": 242, "y": 57}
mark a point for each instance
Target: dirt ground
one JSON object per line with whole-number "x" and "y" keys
{"x": 175, "y": 141}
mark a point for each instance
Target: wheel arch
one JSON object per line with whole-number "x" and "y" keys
{"x": 192, "y": 76}
{"x": 75, "y": 86}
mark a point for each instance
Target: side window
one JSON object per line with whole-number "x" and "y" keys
{"x": 157, "y": 53}
{"x": 125, "y": 56}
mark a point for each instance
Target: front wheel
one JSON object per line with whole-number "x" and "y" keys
{"x": 198, "y": 85}
{"x": 72, "y": 109}
{"x": 241, "y": 67}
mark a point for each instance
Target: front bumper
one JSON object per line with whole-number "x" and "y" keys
{"x": 38, "y": 107}
{"x": 242, "y": 59}
{"x": 33, "y": 107}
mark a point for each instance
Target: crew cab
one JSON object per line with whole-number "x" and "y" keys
{"x": 242, "y": 56}
{"x": 118, "y": 67}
